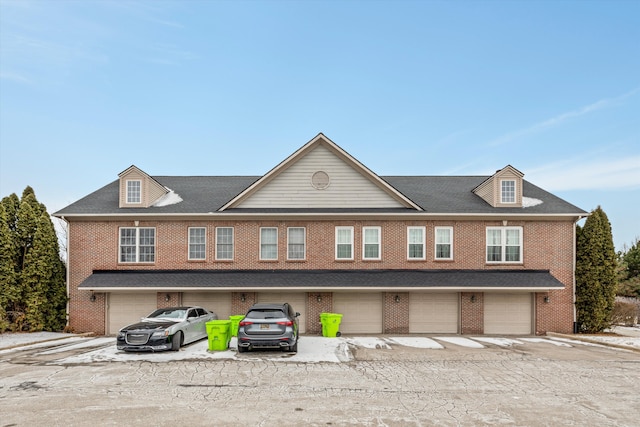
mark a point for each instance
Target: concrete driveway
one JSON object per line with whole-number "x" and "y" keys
{"x": 391, "y": 381}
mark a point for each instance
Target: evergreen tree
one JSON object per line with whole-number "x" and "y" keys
{"x": 9, "y": 290}
{"x": 596, "y": 279}
{"x": 32, "y": 274}
{"x": 632, "y": 259}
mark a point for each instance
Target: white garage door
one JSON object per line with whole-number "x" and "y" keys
{"x": 126, "y": 308}
{"x": 433, "y": 312}
{"x": 219, "y": 303}
{"x": 507, "y": 313}
{"x": 297, "y": 300}
{"x": 361, "y": 312}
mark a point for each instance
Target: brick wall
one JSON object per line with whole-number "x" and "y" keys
{"x": 547, "y": 245}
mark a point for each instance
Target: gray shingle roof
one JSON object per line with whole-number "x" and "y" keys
{"x": 321, "y": 279}
{"x": 435, "y": 194}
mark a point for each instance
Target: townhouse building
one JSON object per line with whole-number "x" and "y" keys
{"x": 393, "y": 254}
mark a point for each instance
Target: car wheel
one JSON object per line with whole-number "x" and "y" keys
{"x": 294, "y": 348}
{"x": 242, "y": 349}
{"x": 176, "y": 341}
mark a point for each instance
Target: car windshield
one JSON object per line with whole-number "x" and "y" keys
{"x": 168, "y": 314}
{"x": 266, "y": 314}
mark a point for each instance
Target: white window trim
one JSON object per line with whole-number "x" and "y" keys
{"x": 304, "y": 244}
{"x": 189, "y": 244}
{"x": 424, "y": 244}
{"x": 350, "y": 228}
{"x": 129, "y": 202}
{"x": 515, "y": 192}
{"x": 378, "y": 243}
{"x": 503, "y": 244}
{"x": 137, "y": 245}
{"x": 435, "y": 243}
{"x": 260, "y": 249}
{"x": 233, "y": 246}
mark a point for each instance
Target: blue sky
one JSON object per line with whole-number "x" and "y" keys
{"x": 88, "y": 88}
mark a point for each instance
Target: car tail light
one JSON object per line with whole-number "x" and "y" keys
{"x": 287, "y": 323}
{"x": 243, "y": 323}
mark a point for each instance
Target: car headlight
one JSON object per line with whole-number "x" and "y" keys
{"x": 159, "y": 334}
{"x": 121, "y": 334}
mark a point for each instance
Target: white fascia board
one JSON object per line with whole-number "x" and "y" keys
{"x": 327, "y": 216}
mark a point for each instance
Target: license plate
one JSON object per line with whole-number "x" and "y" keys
{"x": 264, "y": 326}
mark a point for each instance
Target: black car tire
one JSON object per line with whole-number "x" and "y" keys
{"x": 294, "y": 348}
{"x": 176, "y": 341}
{"x": 242, "y": 349}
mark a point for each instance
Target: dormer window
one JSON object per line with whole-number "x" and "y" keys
{"x": 134, "y": 191}
{"x": 507, "y": 191}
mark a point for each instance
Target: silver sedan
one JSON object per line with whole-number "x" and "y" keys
{"x": 166, "y": 329}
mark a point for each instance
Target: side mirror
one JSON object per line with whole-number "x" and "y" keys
{"x": 297, "y": 314}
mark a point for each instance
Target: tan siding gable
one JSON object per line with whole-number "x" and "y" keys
{"x": 491, "y": 191}
{"x": 150, "y": 189}
{"x": 292, "y": 187}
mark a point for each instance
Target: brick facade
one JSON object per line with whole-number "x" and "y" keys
{"x": 93, "y": 245}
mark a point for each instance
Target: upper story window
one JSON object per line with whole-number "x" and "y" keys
{"x": 134, "y": 192}
{"x": 504, "y": 244}
{"x": 416, "y": 242}
{"x": 296, "y": 243}
{"x": 268, "y": 243}
{"x": 444, "y": 243}
{"x": 371, "y": 242}
{"x": 507, "y": 191}
{"x": 344, "y": 242}
{"x": 137, "y": 244}
{"x": 197, "y": 243}
{"x": 224, "y": 243}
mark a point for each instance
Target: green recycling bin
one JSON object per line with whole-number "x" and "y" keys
{"x": 235, "y": 321}
{"x": 331, "y": 324}
{"x": 218, "y": 332}
{"x": 323, "y": 322}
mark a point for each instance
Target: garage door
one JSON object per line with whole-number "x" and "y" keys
{"x": 361, "y": 312}
{"x": 126, "y": 308}
{"x": 433, "y": 313}
{"x": 507, "y": 314}
{"x": 219, "y": 303}
{"x": 297, "y": 300}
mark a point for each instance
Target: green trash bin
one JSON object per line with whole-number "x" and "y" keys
{"x": 323, "y": 322}
{"x": 235, "y": 321}
{"x": 218, "y": 332}
{"x": 330, "y": 324}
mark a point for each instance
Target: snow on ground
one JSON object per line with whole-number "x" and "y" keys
{"x": 312, "y": 349}
{"x": 547, "y": 341}
{"x": 502, "y": 342}
{"x": 461, "y": 341}
{"x": 418, "y": 342}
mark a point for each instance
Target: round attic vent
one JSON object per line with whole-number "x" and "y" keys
{"x": 320, "y": 180}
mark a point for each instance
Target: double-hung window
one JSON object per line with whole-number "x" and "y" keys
{"x": 224, "y": 243}
{"x": 416, "y": 243}
{"x": 268, "y": 243}
{"x": 296, "y": 243}
{"x": 504, "y": 244}
{"x": 137, "y": 244}
{"x": 197, "y": 243}
{"x": 134, "y": 191}
{"x": 371, "y": 242}
{"x": 507, "y": 191}
{"x": 344, "y": 243}
{"x": 444, "y": 243}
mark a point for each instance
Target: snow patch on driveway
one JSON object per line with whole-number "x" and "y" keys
{"x": 502, "y": 342}
{"x": 463, "y": 342}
